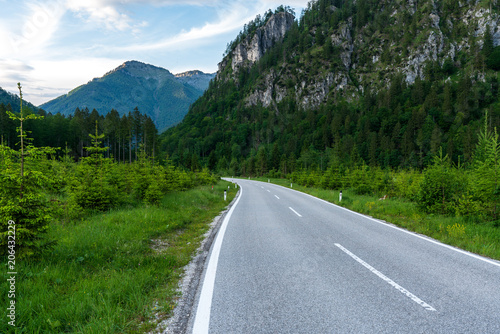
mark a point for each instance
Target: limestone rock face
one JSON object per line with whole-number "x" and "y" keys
{"x": 253, "y": 48}
{"x": 362, "y": 58}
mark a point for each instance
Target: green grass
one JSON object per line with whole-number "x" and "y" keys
{"x": 114, "y": 272}
{"x": 478, "y": 237}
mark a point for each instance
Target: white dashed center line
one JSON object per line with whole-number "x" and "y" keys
{"x": 298, "y": 214}
{"x": 388, "y": 280}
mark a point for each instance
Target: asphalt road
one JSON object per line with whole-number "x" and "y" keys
{"x": 286, "y": 262}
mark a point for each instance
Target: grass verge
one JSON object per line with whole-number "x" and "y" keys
{"x": 476, "y": 237}
{"x": 114, "y": 272}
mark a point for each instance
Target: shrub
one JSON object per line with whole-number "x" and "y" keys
{"x": 406, "y": 184}
{"x": 440, "y": 187}
{"x": 468, "y": 207}
{"x": 153, "y": 194}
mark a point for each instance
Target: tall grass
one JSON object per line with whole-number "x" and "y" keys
{"x": 113, "y": 272}
{"x": 478, "y": 237}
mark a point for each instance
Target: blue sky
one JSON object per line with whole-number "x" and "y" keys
{"x": 54, "y": 46}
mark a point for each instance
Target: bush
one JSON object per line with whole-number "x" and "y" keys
{"x": 468, "y": 207}
{"x": 406, "y": 184}
{"x": 205, "y": 177}
{"x": 441, "y": 187}
{"x": 95, "y": 196}
{"x": 153, "y": 194}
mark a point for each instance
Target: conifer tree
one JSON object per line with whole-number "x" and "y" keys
{"x": 21, "y": 192}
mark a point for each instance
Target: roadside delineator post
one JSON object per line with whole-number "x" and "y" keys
{"x": 225, "y": 194}
{"x": 340, "y": 196}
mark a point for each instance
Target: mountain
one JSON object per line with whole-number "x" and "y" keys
{"x": 154, "y": 90}
{"x": 7, "y": 98}
{"x": 197, "y": 79}
{"x": 386, "y": 83}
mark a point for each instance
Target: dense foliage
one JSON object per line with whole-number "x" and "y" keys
{"x": 158, "y": 93}
{"x": 399, "y": 125}
{"x": 41, "y": 184}
{"x": 123, "y": 135}
{"x": 360, "y": 136}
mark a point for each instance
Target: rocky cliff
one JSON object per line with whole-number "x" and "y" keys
{"x": 404, "y": 39}
{"x": 251, "y": 49}
{"x": 386, "y": 82}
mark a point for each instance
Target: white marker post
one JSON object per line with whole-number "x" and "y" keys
{"x": 225, "y": 195}
{"x": 340, "y": 196}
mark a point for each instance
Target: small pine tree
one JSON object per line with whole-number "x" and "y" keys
{"x": 488, "y": 45}
{"x": 21, "y": 193}
{"x": 93, "y": 190}
{"x": 486, "y": 168}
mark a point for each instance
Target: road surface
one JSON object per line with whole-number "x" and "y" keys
{"x": 286, "y": 262}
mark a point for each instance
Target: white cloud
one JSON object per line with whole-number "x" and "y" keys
{"x": 111, "y": 13}
{"x": 37, "y": 28}
{"x": 44, "y": 80}
{"x": 41, "y": 54}
{"x": 101, "y": 12}
{"x": 231, "y": 17}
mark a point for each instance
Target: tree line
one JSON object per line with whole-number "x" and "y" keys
{"x": 400, "y": 125}
{"x": 124, "y": 135}
{"x": 42, "y": 184}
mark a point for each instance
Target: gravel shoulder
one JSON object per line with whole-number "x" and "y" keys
{"x": 189, "y": 287}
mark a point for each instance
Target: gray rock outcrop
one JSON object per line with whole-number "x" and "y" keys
{"x": 253, "y": 47}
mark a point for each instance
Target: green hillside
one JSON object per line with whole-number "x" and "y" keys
{"x": 154, "y": 90}
{"x": 386, "y": 84}
{"x": 7, "y": 98}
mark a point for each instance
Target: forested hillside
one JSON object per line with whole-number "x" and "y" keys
{"x": 384, "y": 83}
{"x": 159, "y": 94}
{"x": 7, "y": 98}
{"x": 70, "y": 134}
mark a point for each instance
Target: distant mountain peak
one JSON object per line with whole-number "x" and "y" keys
{"x": 154, "y": 90}
{"x": 195, "y": 78}
{"x": 188, "y": 73}
{"x": 138, "y": 69}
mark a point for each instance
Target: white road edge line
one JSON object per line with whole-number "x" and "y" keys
{"x": 388, "y": 280}
{"x": 298, "y": 214}
{"x": 478, "y": 257}
{"x": 276, "y": 197}
{"x": 202, "y": 319}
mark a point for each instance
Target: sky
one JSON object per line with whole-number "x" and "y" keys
{"x": 53, "y": 46}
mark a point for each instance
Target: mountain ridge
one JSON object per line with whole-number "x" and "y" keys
{"x": 155, "y": 90}
{"x": 386, "y": 83}
{"x": 7, "y": 98}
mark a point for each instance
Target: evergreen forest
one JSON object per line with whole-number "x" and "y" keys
{"x": 379, "y": 127}
{"x": 107, "y": 211}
